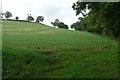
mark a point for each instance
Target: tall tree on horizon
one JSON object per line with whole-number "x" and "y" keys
{"x": 59, "y": 24}
{"x": 30, "y": 18}
{"x": 40, "y": 19}
{"x": 16, "y": 17}
{"x": 8, "y": 14}
{"x": 56, "y": 22}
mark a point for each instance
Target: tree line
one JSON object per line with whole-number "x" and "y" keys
{"x": 8, "y": 14}
{"x": 103, "y": 18}
{"x": 39, "y": 19}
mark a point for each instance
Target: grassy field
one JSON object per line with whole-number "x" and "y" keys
{"x": 0, "y": 49}
{"x": 33, "y": 50}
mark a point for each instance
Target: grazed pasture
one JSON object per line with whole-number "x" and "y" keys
{"x": 33, "y": 50}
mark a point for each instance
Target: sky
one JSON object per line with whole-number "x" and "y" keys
{"x": 50, "y": 9}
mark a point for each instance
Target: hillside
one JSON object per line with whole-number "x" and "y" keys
{"x": 38, "y": 51}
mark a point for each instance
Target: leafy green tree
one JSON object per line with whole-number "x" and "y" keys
{"x": 59, "y": 24}
{"x": 30, "y": 18}
{"x": 103, "y": 18}
{"x": 62, "y": 25}
{"x": 40, "y": 19}
{"x": 76, "y": 26}
{"x": 79, "y": 26}
{"x": 8, "y": 14}
{"x": 16, "y": 17}
{"x": 56, "y": 22}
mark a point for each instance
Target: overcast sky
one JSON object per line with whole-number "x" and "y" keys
{"x": 50, "y": 9}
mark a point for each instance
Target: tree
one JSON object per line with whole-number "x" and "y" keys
{"x": 8, "y": 14}
{"x": 76, "y": 26}
{"x": 59, "y": 24}
{"x": 79, "y": 26}
{"x": 56, "y": 22}
{"x": 30, "y": 18}
{"x": 1, "y": 15}
{"x": 103, "y": 18}
{"x": 40, "y": 19}
{"x": 16, "y": 17}
{"x": 53, "y": 24}
{"x": 62, "y": 25}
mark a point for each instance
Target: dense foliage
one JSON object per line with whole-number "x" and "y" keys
{"x": 103, "y": 18}
{"x": 62, "y": 25}
{"x": 8, "y": 14}
{"x": 56, "y": 22}
{"x": 40, "y": 19}
{"x": 16, "y": 17}
{"x": 79, "y": 26}
{"x": 59, "y": 24}
{"x": 30, "y": 18}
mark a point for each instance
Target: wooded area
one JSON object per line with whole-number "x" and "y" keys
{"x": 103, "y": 18}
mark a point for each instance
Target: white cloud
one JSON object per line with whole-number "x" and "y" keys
{"x": 50, "y": 9}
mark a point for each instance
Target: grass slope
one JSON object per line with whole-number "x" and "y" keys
{"x": 38, "y": 51}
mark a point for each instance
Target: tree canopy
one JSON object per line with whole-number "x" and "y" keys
{"x": 103, "y": 18}
{"x": 40, "y": 19}
{"x": 79, "y": 26}
{"x": 8, "y": 14}
{"x": 16, "y": 17}
{"x": 56, "y": 22}
{"x": 59, "y": 24}
{"x": 62, "y": 25}
{"x": 30, "y": 18}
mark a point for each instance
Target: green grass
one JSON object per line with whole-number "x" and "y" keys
{"x": 0, "y": 49}
{"x": 33, "y": 50}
